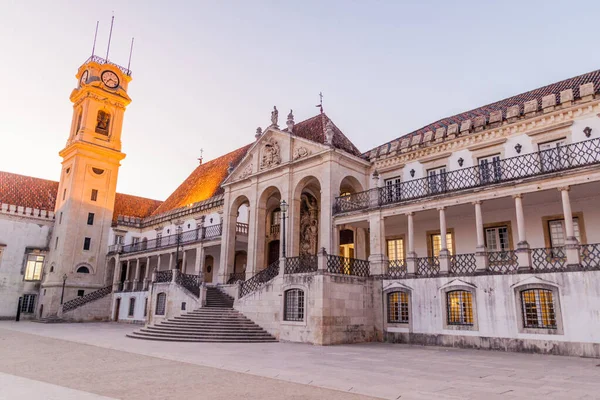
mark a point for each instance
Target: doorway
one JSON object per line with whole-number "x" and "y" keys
{"x": 209, "y": 262}
{"x": 117, "y": 308}
{"x": 273, "y": 254}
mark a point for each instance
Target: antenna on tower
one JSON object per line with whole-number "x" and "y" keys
{"x": 95, "y": 36}
{"x": 130, "y": 51}
{"x": 110, "y": 35}
{"x": 200, "y": 159}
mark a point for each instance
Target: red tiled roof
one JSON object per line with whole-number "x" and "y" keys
{"x": 28, "y": 191}
{"x": 314, "y": 129}
{"x": 503, "y": 105}
{"x": 204, "y": 183}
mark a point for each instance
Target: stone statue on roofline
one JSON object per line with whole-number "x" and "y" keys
{"x": 274, "y": 116}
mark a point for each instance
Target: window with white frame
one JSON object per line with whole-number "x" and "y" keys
{"x": 557, "y": 231}
{"x": 393, "y": 188}
{"x": 293, "y": 307}
{"x": 33, "y": 269}
{"x": 553, "y": 155}
{"x": 395, "y": 249}
{"x": 497, "y": 239}
{"x": 436, "y": 178}
{"x": 490, "y": 169}
{"x": 119, "y": 239}
{"x": 28, "y": 303}
{"x": 398, "y": 307}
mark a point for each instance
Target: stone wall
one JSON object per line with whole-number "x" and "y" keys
{"x": 176, "y": 296}
{"x": 264, "y": 306}
{"x": 97, "y": 310}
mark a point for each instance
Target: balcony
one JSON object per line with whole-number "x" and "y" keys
{"x": 541, "y": 163}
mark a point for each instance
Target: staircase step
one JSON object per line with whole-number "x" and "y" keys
{"x": 204, "y": 340}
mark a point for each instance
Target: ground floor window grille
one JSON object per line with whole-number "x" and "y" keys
{"x": 28, "y": 303}
{"x": 538, "y": 309}
{"x": 160, "y": 303}
{"x": 398, "y": 307}
{"x": 460, "y": 307}
{"x": 294, "y": 305}
{"x": 131, "y": 306}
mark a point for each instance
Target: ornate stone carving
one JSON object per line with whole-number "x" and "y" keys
{"x": 309, "y": 224}
{"x": 270, "y": 154}
{"x": 301, "y": 152}
{"x": 246, "y": 172}
{"x": 274, "y": 117}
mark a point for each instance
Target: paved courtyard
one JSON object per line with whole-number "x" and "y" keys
{"x": 88, "y": 361}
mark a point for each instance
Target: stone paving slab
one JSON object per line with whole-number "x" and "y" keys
{"x": 390, "y": 371}
{"x": 15, "y": 387}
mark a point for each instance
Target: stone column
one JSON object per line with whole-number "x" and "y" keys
{"x": 227, "y": 257}
{"x": 480, "y": 250}
{"x": 571, "y": 243}
{"x": 127, "y": 275}
{"x": 326, "y": 217}
{"x": 360, "y": 243}
{"x": 378, "y": 260}
{"x": 158, "y": 262}
{"x": 444, "y": 252}
{"x": 523, "y": 252}
{"x": 183, "y": 261}
{"x": 199, "y": 264}
{"x": 146, "y": 274}
{"x": 335, "y": 244}
{"x": 200, "y": 227}
{"x": 411, "y": 256}
{"x": 171, "y": 258}
{"x": 255, "y": 257}
{"x": 136, "y": 281}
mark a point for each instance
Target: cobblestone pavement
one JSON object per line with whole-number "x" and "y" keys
{"x": 116, "y": 366}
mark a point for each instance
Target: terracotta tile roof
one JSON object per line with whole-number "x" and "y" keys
{"x": 502, "y": 105}
{"x": 314, "y": 129}
{"x": 204, "y": 182}
{"x": 28, "y": 191}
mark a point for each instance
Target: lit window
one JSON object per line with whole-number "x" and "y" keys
{"x": 131, "y": 306}
{"x": 87, "y": 242}
{"x": 558, "y": 231}
{"x": 293, "y": 305}
{"x": 28, "y": 303}
{"x": 33, "y": 271}
{"x": 395, "y": 249}
{"x": 160, "y": 303}
{"x": 398, "y": 307}
{"x": 436, "y": 243}
{"x": 538, "y": 309}
{"x": 460, "y": 307}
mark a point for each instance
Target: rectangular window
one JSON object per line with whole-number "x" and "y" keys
{"x": 146, "y": 307}
{"x": 87, "y": 243}
{"x": 158, "y": 239}
{"x": 395, "y": 249}
{"x": 131, "y": 307}
{"x": 436, "y": 178}
{"x": 490, "y": 169}
{"x": 496, "y": 238}
{"x": 135, "y": 240}
{"x": 118, "y": 239}
{"x": 557, "y": 231}
{"x": 398, "y": 307}
{"x": 33, "y": 271}
{"x": 393, "y": 189}
{"x": 90, "y": 220}
{"x": 56, "y": 243}
{"x": 28, "y": 303}
{"x": 64, "y": 194}
{"x": 538, "y": 309}
{"x": 553, "y": 155}
{"x": 293, "y": 308}
{"x": 460, "y": 307}
{"x": 94, "y": 195}
{"x": 435, "y": 241}
{"x": 60, "y": 218}
{"x": 80, "y": 293}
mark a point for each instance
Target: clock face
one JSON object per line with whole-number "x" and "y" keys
{"x": 110, "y": 79}
{"x": 83, "y": 79}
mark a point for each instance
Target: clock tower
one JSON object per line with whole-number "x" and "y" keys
{"x": 86, "y": 194}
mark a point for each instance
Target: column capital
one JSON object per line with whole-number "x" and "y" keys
{"x": 441, "y": 208}
{"x": 411, "y": 214}
{"x": 517, "y": 196}
{"x": 477, "y": 202}
{"x": 563, "y": 188}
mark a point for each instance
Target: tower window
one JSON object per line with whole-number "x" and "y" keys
{"x": 60, "y": 218}
{"x": 102, "y": 122}
{"x": 90, "y": 220}
{"x": 56, "y": 243}
{"x": 87, "y": 243}
{"x": 64, "y": 193}
{"x": 94, "y": 194}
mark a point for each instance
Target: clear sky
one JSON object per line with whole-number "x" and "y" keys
{"x": 207, "y": 73}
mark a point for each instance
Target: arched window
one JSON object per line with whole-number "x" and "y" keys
{"x": 293, "y": 308}
{"x": 160, "y": 303}
{"x": 102, "y": 122}
{"x": 83, "y": 270}
{"x": 398, "y": 307}
{"x": 538, "y": 309}
{"x": 131, "y": 306}
{"x": 79, "y": 116}
{"x": 460, "y": 307}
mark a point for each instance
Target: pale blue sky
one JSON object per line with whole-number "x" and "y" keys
{"x": 207, "y": 73}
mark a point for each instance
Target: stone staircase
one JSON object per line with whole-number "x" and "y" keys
{"x": 217, "y": 322}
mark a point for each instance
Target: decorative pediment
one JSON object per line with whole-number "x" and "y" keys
{"x": 270, "y": 153}
{"x": 301, "y": 152}
{"x": 245, "y": 172}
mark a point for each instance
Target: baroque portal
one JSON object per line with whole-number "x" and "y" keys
{"x": 309, "y": 224}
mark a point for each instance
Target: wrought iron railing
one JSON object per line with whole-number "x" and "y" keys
{"x": 79, "y": 301}
{"x": 301, "y": 264}
{"x": 548, "y": 259}
{"x": 241, "y": 228}
{"x": 190, "y": 282}
{"x": 236, "y": 277}
{"x": 164, "y": 276}
{"x": 503, "y": 262}
{"x": 209, "y": 232}
{"x": 259, "y": 279}
{"x": 396, "y": 269}
{"x": 509, "y": 169}
{"x": 590, "y": 256}
{"x": 347, "y": 266}
{"x": 428, "y": 266}
{"x": 463, "y": 264}
{"x": 213, "y": 231}
{"x": 275, "y": 229}
{"x": 101, "y": 60}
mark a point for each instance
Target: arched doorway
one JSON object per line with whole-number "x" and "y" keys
{"x": 269, "y": 231}
{"x": 305, "y": 223}
{"x": 241, "y": 259}
{"x": 209, "y": 263}
{"x": 273, "y": 252}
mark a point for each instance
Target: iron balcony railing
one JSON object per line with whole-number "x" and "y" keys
{"x": 100, "y": 60}
{"x": 164, "y": 276}
{"x": 503, "y": 262}
{"x": 509, "y": 169}
{"x": 397, "y": 269}
{"x": 590, "y": 256}
{"x": 347, "y": 266}
{"x": 463, "y": 264}
{"x": 300, "y": 264}
{"x": 548, "y": 259}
